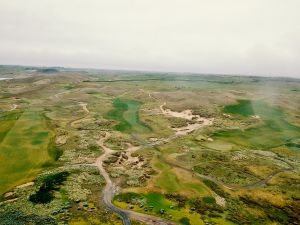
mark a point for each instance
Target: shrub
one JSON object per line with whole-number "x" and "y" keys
{"x": 185, "y": 221}
{"x": 49, "y": 183}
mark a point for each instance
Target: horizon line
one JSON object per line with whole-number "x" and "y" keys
{"x": 153, "y": 71}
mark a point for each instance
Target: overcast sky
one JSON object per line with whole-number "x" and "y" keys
{"x": 257, "y": 37}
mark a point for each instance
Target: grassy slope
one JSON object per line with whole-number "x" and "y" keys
{"x": 28, "y": 137}
{"x": 126, "y": 112}
{"x": 274, "y": 132}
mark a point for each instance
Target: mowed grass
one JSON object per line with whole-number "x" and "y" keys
{"x": 23, "y": 148}
{"x": 175, "y": 180}
{"x": 7, "y": 121}
{"x": 126, "y": 113}
{"x": 275, "y": 131}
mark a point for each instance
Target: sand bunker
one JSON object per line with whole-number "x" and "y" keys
{"x": 84, "y": 106}
{"x": 198, "y": 121}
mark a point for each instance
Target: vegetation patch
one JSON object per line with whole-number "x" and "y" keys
{"x": 275, "y": 130}
{"x": 20, "y": 218}
{"x": 126, "y": 113}
{"x": 50, "y": 183}
{"x": 55, "y": 152}
{"x": 24, "y": 148}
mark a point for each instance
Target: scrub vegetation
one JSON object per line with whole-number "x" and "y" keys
{"x": 179, "y": 148}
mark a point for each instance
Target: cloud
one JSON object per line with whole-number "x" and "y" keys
{"x": 259, "y": 37}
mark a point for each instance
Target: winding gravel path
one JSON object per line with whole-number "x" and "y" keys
{"x": 125, "y": 215}
{"x": 109, "y": 191}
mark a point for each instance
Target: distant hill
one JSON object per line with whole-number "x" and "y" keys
{"x": 48, "y": 70}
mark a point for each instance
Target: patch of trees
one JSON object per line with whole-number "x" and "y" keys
{"x": 179, "y": 199}
{"x": 238, "y": 213}
{"x": 49, "y": 184}
{"x": 94, "y": 148}
{"x": 128, "y": 197}
{"x": 216, "y": 188}
{"x": 185, "y": 221}
{"x": 111, "y": 159}
{"x": 207, "y": 205}
{"x": 55, "y": 152}
{"x": 48, "y": 70}
{"x": 284, "y": 215}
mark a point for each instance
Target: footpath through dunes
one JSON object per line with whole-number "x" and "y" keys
{"x": 130, "y": 122}
{"x": 110, "y": 189}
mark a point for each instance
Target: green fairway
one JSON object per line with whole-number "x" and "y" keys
{"x": 23, "y": 148}
{"x": 250, "y": 108}
{"x": 126, "y": 112}
{"x": 275, "y": 131}
{"x": 7, "y": 121}
{"x": 187, "y": 148}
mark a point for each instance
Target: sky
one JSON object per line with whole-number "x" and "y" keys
{"x": 251, "y": 37}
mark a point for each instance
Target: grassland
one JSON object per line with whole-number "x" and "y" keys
{"x": 51, "y": 122}
{"x": 26, "y": 134}
{"x": 126, "y": 112}
{"x": 275, "y": 130}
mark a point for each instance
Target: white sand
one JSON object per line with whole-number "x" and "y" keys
{"x": 188, "y": 115}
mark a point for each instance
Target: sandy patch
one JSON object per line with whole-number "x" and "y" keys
{"x": 61, "y": 140}
{"x": 220, "y": 201}
{"x": 198, "y": 121}
{"x": 13, "y": 107}
{"x": 26, "y": 185}
{"x": 256, "y": 116}
{"x": 84, "y": 106}
{"x": 41, "y": 82}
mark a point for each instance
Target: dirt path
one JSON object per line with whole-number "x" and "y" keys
{"x": 14, "y": 106}
{"x": 84, "y": 106}
{"x": 232, "y": 187}
{"x": 187, "y": 114}
{"x": 71, "y": 123}
{"x": 148, "y": 93}
{"x": 110, "y": 189}
{"x": 61, "y": 93}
